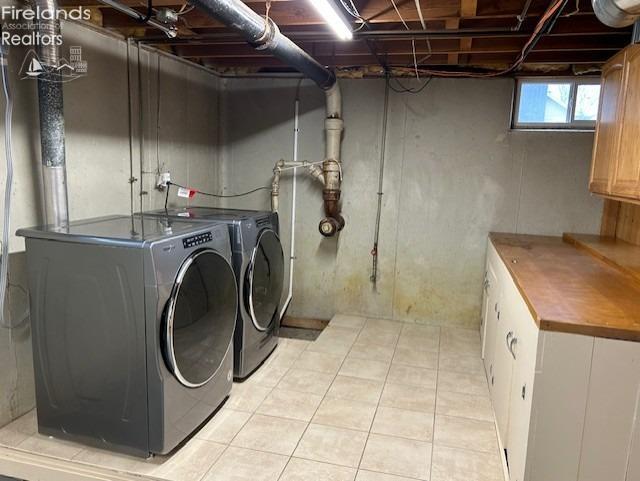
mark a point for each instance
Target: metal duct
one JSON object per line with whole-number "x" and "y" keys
{"x": 50, "y": 102}
{"x": 264, "y": 35}
{"x": 617, "y": 13}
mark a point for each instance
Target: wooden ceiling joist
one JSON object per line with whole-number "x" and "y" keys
{"x": 462, "y": 33}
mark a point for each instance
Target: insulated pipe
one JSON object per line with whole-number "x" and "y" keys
{"x": 50, "y": 102}
{"x": 617, "y": 13}
{"x": 265, "y": 36}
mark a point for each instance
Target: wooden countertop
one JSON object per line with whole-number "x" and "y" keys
{"x": 617, "y": 253}
{"x": 569, "y": 290}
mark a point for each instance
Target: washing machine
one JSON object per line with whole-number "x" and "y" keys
{"x": 132, "y": 326}
{"x": 258, "y": 262}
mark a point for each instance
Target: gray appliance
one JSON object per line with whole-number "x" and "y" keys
{"x": 258, "y": 262}
{"x": 132, "y": 324}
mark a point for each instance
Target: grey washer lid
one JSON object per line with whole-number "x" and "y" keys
{"x": 122, "y": 230}
{"x": 195, "y": 213}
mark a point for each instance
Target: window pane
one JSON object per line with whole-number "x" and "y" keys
{"x": 587, "y": 98}
{"x": 544, "y": 102}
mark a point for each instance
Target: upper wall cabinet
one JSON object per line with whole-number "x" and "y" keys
{"x": 615, "y": 168}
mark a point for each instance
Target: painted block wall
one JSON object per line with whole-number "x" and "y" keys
{"x": 454, "y": 172}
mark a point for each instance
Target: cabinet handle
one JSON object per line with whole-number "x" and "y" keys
{"x": 524, "y": 391}
{"x": 508, "y": 339}
{"x": 512, "y": 345}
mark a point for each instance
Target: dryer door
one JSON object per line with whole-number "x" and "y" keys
{"x": 200, "y": 317}
{"x": 265, "y": 276}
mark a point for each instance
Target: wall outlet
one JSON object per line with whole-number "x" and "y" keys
{"x": 163, "y": 179}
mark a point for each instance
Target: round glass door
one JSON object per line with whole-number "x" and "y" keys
{"x": 200, "y": 317}
{"x": 264, "y": 281}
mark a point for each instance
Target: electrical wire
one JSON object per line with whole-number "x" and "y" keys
{"x": 424, "y": 27}
{"x": 413, "y": 41}
{"x": 409, "y": 90}
{"x": 8, "y": 118}
{"x": 184, "y": 9}
{"x": 352, "y": 10}
{"x": 376, "y": 233}
{"x": 544, "y": 25}
{"x": 149, "y": 14}
{"x": 208, "y": 194}
{"x": 575, "y": 11}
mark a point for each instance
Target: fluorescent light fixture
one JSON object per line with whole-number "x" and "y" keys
{"x": 327, "y": 9}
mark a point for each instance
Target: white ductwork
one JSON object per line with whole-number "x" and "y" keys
{"x": 617, "y": 13}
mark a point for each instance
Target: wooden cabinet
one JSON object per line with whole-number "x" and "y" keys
{"x": 626, "y": 176}
{"x": 605, "y": 141}
{"x": 615, "y": 167}
{"x": 566, "y": 405}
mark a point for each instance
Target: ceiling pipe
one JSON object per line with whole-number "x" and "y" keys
{"x": 50, "y": 103}
{"x": 617, "y": 13}
{"x": 264, "y": 35}
{"x": 362, "y": 35}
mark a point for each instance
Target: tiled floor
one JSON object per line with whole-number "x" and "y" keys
{"x": 369, "y": 400}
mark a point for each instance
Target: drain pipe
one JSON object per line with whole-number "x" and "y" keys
{"x": 264, "y": 35}
{"x": 50, "y": 100}
{"x": 332, "y": 165}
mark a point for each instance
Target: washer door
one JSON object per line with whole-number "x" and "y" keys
{"x": 265, "y": 276}
{"x": 200, "y": 317}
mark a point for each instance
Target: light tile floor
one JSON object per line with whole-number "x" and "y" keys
{"x": 369, "y": 400}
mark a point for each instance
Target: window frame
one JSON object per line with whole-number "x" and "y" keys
{"x": 572, "y": 125}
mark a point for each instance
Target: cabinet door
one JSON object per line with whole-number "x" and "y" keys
{"x": 502, "y": 367}
{"x": 524, "y": 346}
{"x": 633, "y": 470}
{"x": 489, "y": 307}
{"x": 607, "y": 129}
{"x": 626, "y": 178}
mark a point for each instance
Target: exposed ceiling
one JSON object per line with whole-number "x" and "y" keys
{"x": 463, "y": 35}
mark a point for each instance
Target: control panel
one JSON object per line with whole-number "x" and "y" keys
{"x": 196, "y": 240}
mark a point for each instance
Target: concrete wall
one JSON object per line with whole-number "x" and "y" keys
{"x": 101, "y": 159}
{"x": 454, "y": 172}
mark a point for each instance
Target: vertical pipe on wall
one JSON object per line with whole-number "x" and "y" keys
{"x": 383, "y": 143}
{"x": 51, "y": 108}
{"x": 333, "y": 221}
{"x": 292, "y": 239}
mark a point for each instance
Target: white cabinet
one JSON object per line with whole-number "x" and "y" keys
{"x": 502, "y": 369}
{"x": 524, "y": 348}
{"x": 567, "y": 406}
{"x": 490, "y": 309}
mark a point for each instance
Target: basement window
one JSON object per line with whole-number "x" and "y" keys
{"x": 556, "y": 104}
